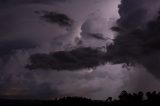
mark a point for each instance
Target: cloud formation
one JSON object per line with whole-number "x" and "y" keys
{"x": 76, "y": 59}
{"x": 138, "y": 39}
{"x": 135, "y": 14}
{"x": 59, "y": 18}
{"x": 30, "y": 1}
{"x": 19, "y": 22}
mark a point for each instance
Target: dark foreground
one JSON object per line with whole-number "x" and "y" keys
{"x": 125, "y": 99}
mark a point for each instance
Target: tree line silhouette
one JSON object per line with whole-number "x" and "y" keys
{"x": 125, "y": 99}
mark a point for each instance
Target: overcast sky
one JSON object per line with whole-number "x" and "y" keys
{"x": 32, "y": 29}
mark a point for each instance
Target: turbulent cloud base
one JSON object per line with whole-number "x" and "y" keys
{"x": 137, "y": 43}
{"x": 75, "y": 59}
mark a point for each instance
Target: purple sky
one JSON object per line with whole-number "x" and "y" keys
{"x": 24, "y": 31}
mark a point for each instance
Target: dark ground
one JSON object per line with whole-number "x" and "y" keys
{"x": 125, "y": 99}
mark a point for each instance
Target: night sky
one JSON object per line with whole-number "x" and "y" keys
{"x": 89, "y": 48}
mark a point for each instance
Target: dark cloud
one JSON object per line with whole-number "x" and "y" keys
{"x": 59, "y": 18}
{"x": 139, "y": 45}
{"x": 135, "y": 14}
{"x": 97, "y": 36}
{"x": 31, "y": 1}
{"x": 131, "y": 17}
{"x": 75, "y": 59}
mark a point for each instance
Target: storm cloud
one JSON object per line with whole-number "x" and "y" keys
{"x": 72, "y": 61}
{"x": 137, "y": 41}
{"x": 75, "y": 59}
{"x": 135, "y": 14}
{"x": 24, "y": 34}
